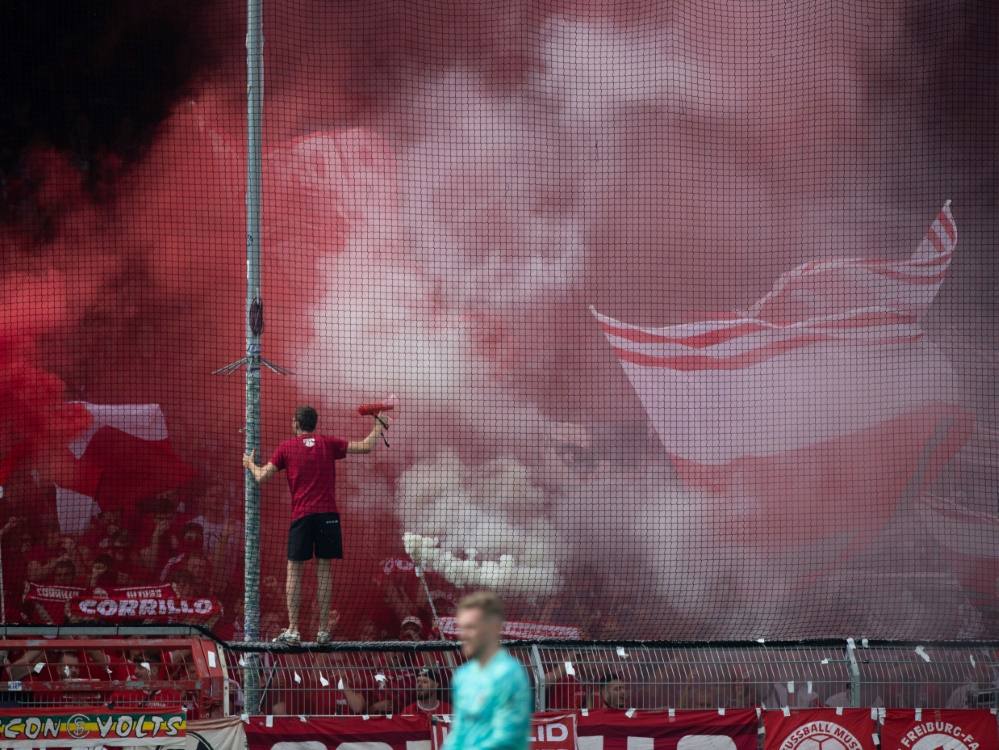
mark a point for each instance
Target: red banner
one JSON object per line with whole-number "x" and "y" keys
{"x": 555, "y": 731}
{"x": 820, "y": 729}
{"x": 516, "y": 630}
{"x": 47, "y": 603}
{"x": 607, "y": 729}
{"x": 390, "y": 733}
{"x": 163, "y": 610}
{"x": 928, "y": 729}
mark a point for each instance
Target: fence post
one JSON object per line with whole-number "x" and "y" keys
{"x": 851, "y": 657}
{"x": 539, "y": 679}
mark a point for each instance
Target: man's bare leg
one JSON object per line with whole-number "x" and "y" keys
{"x": 293, "y": 592}
{"x": 324, "y": 586}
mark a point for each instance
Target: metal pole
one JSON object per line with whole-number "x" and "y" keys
{"x": 3, "y": 591}
{"x": 254, "y": 312}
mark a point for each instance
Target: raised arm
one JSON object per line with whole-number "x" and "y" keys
{"x": 370, "y": 442}
{"x": 260, "y": 473}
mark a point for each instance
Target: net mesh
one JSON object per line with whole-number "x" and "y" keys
{"x": 683, "y": 340}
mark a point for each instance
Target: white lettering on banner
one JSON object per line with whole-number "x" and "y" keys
{"x": 556, "y": 732}
{"x": 51, "y": 729}
{"x": 706, "y": 742}
{"x": 687, "y": 742}
{"x": 809, "y": 735}
{"x": 144, "y": 607}
{"x": 307, "y": 745}
{"x": 104, "y": 725}
{"x": 32, "y": 727}
{"x": 363, "y": 746}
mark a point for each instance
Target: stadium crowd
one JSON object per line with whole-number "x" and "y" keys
{"x": 169, "y": 543}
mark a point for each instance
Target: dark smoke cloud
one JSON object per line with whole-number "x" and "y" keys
{"x": 91, "y": 80}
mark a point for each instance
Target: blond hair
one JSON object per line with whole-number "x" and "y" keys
{"x": 486, "y": 602}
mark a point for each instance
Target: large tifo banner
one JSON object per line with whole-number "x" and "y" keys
{"x": 51, "y": 727}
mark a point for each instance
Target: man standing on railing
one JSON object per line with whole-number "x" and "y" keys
{"x": 492, "y": 695}
{"x": 315, "y": 526}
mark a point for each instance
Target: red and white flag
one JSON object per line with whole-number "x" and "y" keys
{"x": 608, "y": 729}
{"x": 124, "y": 457}
{"x": 970, "y": 541}
{"x": 932, "y": 729}
{"x": 820, "y": 405}
{"x": 549, "y": 731}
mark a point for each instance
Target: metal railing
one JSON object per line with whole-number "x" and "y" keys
{"x": 81, "y": 671}
{"x": 371, "y": 678}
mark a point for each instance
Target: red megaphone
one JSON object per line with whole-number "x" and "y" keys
{"x": 370, "y": 410}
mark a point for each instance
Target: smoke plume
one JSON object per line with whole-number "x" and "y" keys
{"x": 447, "y": 190}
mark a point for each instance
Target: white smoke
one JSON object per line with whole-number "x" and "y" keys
{"x": 483, "y": 218}
{"x": 494, "y": 511}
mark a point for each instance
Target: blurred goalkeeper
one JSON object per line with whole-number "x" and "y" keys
{"x": 492, "y": 695}
{"x": 309, "y": 460}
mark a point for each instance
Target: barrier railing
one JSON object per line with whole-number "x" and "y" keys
{"x": 144, "y": 672}
{"x": 371, "y": 678}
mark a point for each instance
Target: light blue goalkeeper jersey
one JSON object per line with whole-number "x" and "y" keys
{"x": 492, "y": 706}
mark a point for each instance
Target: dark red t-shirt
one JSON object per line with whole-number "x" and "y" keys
{"x": 566, "y": 694}
{"x": 415, "y": 709}
{"x": 309, "y": 461}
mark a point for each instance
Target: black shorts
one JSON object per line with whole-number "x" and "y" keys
{"x": 315, "y": 535}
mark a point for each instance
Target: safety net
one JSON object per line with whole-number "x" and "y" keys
{"x": 679, "y": 316}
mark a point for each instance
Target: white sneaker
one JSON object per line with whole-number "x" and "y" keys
{"x": 289, "y": 638}
{"x": 323, "y": 638}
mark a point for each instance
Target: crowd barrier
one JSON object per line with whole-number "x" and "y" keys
{"x": 567, "y": 675}
{"x": 88, "y": 673}
{"x": 346, "y": 679}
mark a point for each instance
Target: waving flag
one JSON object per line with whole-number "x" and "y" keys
{"x": 124, "y": 457}
{"x": 970, "y": 541}
{"x": 819, "y": 407}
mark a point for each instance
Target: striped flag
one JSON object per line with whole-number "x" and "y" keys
{"x": 123, "y": 458}
{"x": 970, "y": 541}
{"x": 821, "y": 405}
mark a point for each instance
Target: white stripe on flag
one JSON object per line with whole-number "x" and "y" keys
{"x": 144, "y": 421}
{"x": 74, "y": 510}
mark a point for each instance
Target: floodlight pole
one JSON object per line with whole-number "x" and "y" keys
{"x": 254, "y": 327}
